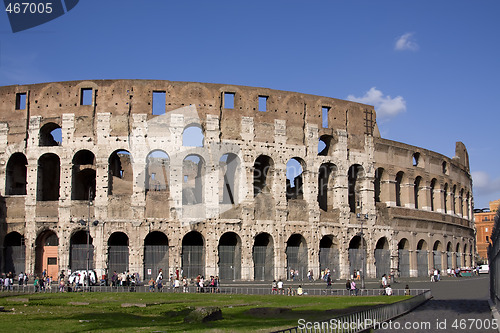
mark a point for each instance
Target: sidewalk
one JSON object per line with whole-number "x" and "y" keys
{"x": 458, "y": 304}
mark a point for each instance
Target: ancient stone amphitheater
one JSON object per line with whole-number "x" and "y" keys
{"x": 241, "y": 182}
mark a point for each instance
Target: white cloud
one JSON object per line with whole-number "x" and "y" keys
{"x": 385, "y": 106}
{"x": 406, "y": 43}
{"x": 483, "y": 184}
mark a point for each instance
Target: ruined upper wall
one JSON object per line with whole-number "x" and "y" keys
{"x": 123, "y": 98}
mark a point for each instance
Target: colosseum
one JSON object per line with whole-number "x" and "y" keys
{"x": 241, "y": 182}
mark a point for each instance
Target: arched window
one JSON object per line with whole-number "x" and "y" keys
{"x": 355, "y": 176}
{"x": 263, "y": 169}
{"x": 294, "y": 179}
{"x": 50, "y": 135}
{"x": 120, "y": 177}
{"x": 325, "y": 185}
{"x": 416, "y": 191}
{"x": 83, "y": 176}
{"x": 192, "y": 136}
{"x": 399, "y": 180}
{"x": 193, "y": 170}
{"x": 48, "y": 177}
{"x": 157, "y": 171}
{"x": 15, "y": 178}
{"x": 229, "y": 167}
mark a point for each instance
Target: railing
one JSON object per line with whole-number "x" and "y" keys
{"x": 362, "y": 320}
{"x": 54, "y": 288}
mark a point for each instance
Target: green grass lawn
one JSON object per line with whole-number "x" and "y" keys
{"x": 165, "y": 312}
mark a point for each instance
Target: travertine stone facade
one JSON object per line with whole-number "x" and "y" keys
{"x": 225, "y": 205}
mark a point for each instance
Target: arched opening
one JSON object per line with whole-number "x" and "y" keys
{"x": 120, "y": 175}
{"x": 355, "y": 175}
{"x": 399, "y": 180}
{"x": 157, "y": 172}
{"x": 461, "y": 203}
{"x": 416, "y": 159}
{"x": 445, "y": 198}
{"x": 357, "y": 256}
{"x": 379, "y": 173}
{"x": 422, "y": 258}
{"x": 263, "y": 169}
{"x": 436, "y": 255}
{"x": 465, "y": 261}
{"x": 458, "y": 256}
{"x": 192, "y": 136}
{"x": 15, "y": 175}
{"x": 294, "y": 179}
{"x": 193, "y": 254}
{"x": 155, "y": 254}
{"x": 325, "y": 145}
{"x": 48, "y": 177}
{"x": 83, "y": 176}
{"x": 118, "y": 253}
{"x": 382, "y": 257}
{"x": 193, "y": 170}
{"x": 296, "y": 256}
{"x": 449, "y": 255}
{"x": 228, "y": 168}
{"x": 329, "y": 256}
{"x": 416, "y": 191}
{"x": 454, "y": 200}
{"x": 404, "y": 258}
{"x": 14, "y": 253}
{"x": 50, "y": 135}
{"x": 325, "y": 186}
{"x": 432, "y": 189}
{"x": 46, "y": 251}
{"x": 229, "y": 256}
{"x": 78, "y": 251}
{"x": 263, "y": 257}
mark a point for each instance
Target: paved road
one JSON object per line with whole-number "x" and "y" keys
{"x": 458, "y": 305}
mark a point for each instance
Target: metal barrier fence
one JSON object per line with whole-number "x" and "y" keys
{"x": 362, "y": 320}
{"x": 221, "y": 290}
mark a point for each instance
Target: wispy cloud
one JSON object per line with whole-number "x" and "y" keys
{"x": 483, "y": 184}
{"x": 385, "y": 106}
{"x": 406, "y": 43}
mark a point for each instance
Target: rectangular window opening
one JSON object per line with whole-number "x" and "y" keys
{"x": 263, "y": 103}
{"x": 324, "y": 115}
{"x": 228, "y": 100}
{"x": 20, "y": 101}
{"x": 159, "y": 102}
{"x": 86, "y": 96}
{"x": 185, "y": 179}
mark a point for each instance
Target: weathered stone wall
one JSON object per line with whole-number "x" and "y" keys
{"x": 355, "y": 173}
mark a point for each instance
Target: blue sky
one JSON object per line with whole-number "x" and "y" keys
{"x": 431, "y": 68}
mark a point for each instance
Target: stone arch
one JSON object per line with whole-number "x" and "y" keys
{"x": 417, "y": 190}
{"x": 83, "y": 180}
{"x": 454, "y": 200}
{"x": 382, "y": 257}
{"x": 379, "y": 177}
{"x": 399, "y": 182}
{"x": 229, "y": 169}
{"x": 156, "y": 254}
{"x": 157, "y": 171}
{"x": 229, "y": 250}
{"x": 433, "y": 194}
{"x": 193, "y": 254}
{"x": 78, "y": 251}
{"x": 14, "y": 253}
{"x": 445, "y": 198}
{"x": 326, "y": 144}
{"x": 437, "y": 250}
{"x": 464, "y": 256}
{"x": 416, "y": 159}
{"x": 118, "y": 252}
{"x": 120, "y": 173}
{"x": 263, "y": 257}
{"x": 404, "y": 257}
{"x": 355, "y": 177}
{"x": 357, "y": 255}
{"x": 263, "y": 172}
{"x": 329, "y": 256}
{"x": 422, "y": 258}
{"x": 193, "y": 136}
{"x": 49, "y": 134}
{"x": 326, "y": 180}
{"x": 296, "y": 256}
{"x": 48, "y": 177}
{"x": 449, "y": 255}
{"x": 15, "y": 175}
{"x": 461, "y": 202}
{"x": 46, "y": 253}
{"x": 193, "y": 172}
{"x": 295, "y": 168}
{"x": 458, "y": 255}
